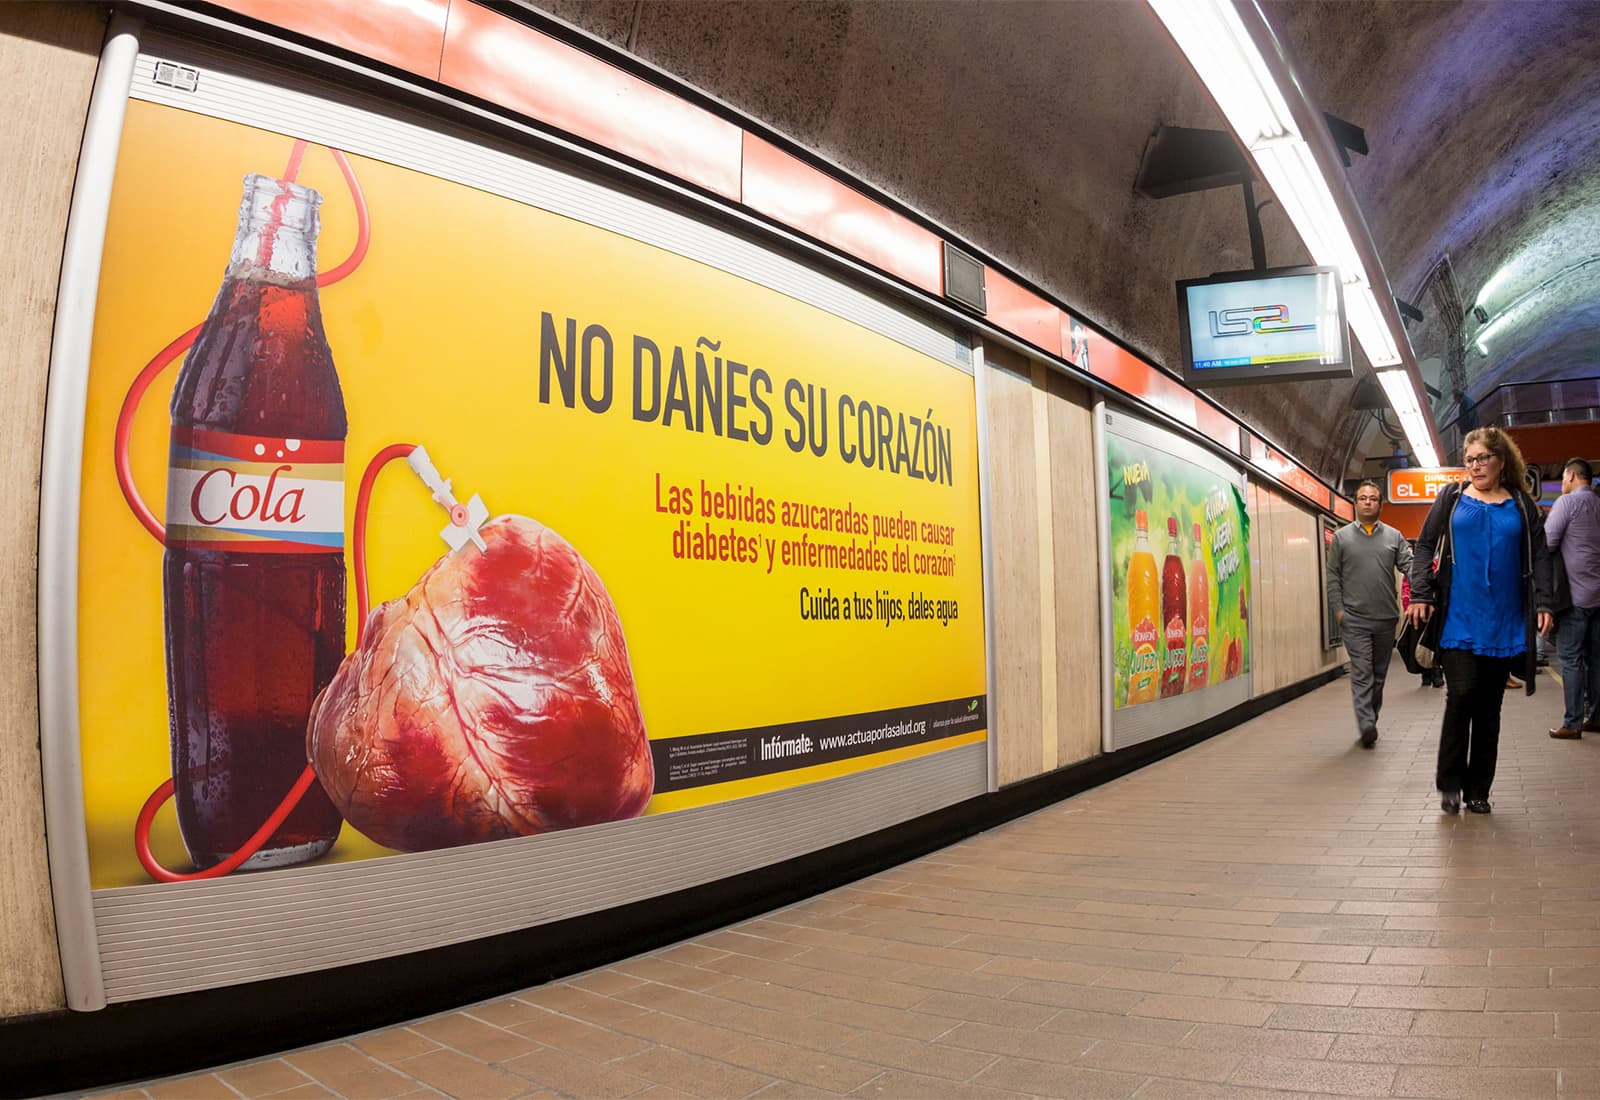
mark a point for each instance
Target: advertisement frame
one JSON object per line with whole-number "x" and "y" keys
{"x": 1332, "y": 637}
{"x": 1134, "y": 725}
{"x": 67, "y": 841}
{"x": 141, "y": 941}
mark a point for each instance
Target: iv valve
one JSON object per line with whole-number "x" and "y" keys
{"x": 466, "y": 520}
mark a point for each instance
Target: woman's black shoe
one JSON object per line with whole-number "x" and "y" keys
{"x": 1478, "y": 805}
{"x": 1450, "y": 803}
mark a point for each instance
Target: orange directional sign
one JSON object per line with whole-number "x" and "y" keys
{"x": 1420, "y": 486}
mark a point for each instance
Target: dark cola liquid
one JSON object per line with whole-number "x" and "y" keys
{"x": 252, "y": 636}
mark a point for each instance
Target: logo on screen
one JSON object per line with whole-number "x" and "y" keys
{"x": 1243, "y": 320}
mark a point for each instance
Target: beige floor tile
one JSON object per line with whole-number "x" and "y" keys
{"x": 473, "y": 1037}
{"x": 1503, "y": 1025}
{"x": 1337, "y": 1078}
{"x": 1294, "y": 993}
{"x": 1476, "y": 1083}
{"x": 263, "y": 1078}
{"x": 597, "y": 1044}
{"x": 888, "y": 1021}
{"x": 1265, "y": 1041}
{"x": 1394, "y": 996}
{"x": 691, "y": 1073}
{"x": 204, "y": 1086}
{"x": 1229, "y": 967}
{"x": 928, "y": 1059}
{"x": 1203, "y": 1010}
{"x": 1038, "y": 1046}
{"x": 464, "y": 1078}
{"x": 565, "y": 1075}
{"x": 1140, "y": 1058}
{"x": 899, "y": 1085}
{"x": 393, "y": 1045}
{"x": 1050, "y": 1079}
{"x": 1401, "y": 1050}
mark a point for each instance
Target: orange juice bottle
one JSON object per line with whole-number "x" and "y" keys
{"x": 1199, "y": 615}
{"x": 1144, "y": 611}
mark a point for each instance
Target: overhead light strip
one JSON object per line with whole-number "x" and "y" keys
{"x": 1216, "y": 42}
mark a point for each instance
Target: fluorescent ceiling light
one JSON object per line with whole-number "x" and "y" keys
{"x": 1403, "y": 396}
{"x": 1230, "y": 64}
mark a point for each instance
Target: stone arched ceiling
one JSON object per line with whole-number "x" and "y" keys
{"x": 1020, "y": 126}
{"x": 1484, "y": 122}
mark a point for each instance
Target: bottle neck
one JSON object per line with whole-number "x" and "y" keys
{"x": 276, "y": 241}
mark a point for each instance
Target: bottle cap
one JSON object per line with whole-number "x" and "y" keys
{"x": 1172, "y": 526}
{"x": 1140, "y": 520}
{"x": 1197, "y": 534}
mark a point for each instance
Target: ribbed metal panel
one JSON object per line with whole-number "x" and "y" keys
{"x": 176, "y": 938}
{"x": 240, "y": 90}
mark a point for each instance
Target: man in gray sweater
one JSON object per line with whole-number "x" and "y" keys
{"x": 1362, "y": 563}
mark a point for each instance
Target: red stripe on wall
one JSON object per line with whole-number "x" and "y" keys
{"x": 788, "y": 189}
{"x": 1021, "y": 312}
{"x": 407, "y": 34}
{"x": 504, "y": 62}
{"x": 1217, "y": 425}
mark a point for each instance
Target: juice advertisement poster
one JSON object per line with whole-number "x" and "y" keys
{"x": 1180, "y": 573}
{"x": 439, "y": 518}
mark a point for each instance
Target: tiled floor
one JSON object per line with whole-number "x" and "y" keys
{"x": 1275, "y": 912}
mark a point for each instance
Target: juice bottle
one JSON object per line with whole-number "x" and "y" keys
{"x": 1174, "y": 615}
{"x": 1144, "y": 610}
{"x": 1199, "y": 615}
{"x": 254, "y": 566}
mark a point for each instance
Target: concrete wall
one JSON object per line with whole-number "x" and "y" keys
{"x": 48, "y": 54}
{"x": 1286, "y": 628}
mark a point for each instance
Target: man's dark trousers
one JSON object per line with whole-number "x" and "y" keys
{"x": 1578, "y": 640}
{"x": 1369, "y": 645}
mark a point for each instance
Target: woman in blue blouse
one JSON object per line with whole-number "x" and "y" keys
{"x": 1492, "y": 586}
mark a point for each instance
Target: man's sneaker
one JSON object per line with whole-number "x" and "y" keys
{"x": 1478, "y": 805}
{"x": 1369, "y": 736}
{"x": 1566, "y": 733}
{"x": 1451, "y": 802}
{"x": 1513, "y": 682}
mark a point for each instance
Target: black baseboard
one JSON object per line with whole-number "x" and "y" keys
{"x": 192, "y": 1031}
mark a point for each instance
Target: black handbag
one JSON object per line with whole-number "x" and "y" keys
{"x": 1419, "y": 649}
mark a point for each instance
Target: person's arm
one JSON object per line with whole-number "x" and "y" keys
{"x": 1544, "y": 599}
{"x": 1556, "y": 525}
{"x": 1335, "y": 577}
{"x": 1402, "y": 558}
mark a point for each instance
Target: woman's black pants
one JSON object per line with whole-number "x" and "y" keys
{"x": 1470, "y": 739}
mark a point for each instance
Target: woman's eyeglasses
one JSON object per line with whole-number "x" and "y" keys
{"x": 1478, "y": 460}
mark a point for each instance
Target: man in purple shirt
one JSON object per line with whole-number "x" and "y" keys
{"x": 1573, "y": 529}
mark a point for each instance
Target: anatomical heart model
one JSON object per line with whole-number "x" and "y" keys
{"x": 494, "y": 700}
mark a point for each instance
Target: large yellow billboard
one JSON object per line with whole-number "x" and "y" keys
{"x": 639, "y": 534}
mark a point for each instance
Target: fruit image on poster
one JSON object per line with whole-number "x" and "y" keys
{"x": 1180, "y": 573}
{"x": 419, "y": 516}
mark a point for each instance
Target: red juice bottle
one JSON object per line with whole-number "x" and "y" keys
{"x": 254, "y": 565}
{"x": 1199, "y": 616}
{"x": 1174, "y": 615}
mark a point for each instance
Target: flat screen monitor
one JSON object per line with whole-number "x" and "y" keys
{"x": 1285, "y": 324}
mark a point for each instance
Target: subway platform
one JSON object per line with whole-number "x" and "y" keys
{"x": 1275, "y": 912}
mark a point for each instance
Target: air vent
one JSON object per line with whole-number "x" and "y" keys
{"x": 963, "y": 279}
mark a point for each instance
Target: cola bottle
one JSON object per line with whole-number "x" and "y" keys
{"x": 254, "y": 565}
